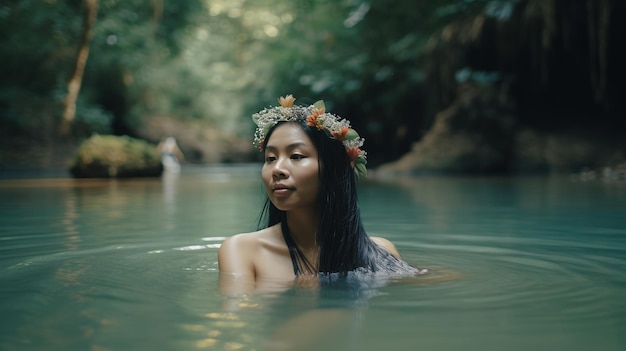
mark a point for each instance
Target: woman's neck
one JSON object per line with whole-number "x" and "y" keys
{"x": 303, "y": 228}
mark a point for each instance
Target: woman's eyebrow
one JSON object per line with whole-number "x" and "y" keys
{"x": 288, "y": 147}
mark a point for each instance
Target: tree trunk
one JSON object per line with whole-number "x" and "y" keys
{"x": 599, "y": 15}
{"x": 157, "y": 13}
{"x": 73, "y": 86}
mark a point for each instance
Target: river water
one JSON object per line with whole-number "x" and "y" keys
{"x": 531, "y": 263}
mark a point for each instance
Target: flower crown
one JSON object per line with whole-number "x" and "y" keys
{"x": 314, "y": 116}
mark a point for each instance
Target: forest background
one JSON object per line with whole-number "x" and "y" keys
{"x": 434, "y": 86}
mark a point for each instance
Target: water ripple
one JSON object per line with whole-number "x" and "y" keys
{"x": 537, "y": 275}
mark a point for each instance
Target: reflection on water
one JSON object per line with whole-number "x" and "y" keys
{"x": 517, "y": 264}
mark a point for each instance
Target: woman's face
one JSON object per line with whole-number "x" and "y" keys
{"x": 291, "y": 170}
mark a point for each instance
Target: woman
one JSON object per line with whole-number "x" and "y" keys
{"x": 313, "y": 226}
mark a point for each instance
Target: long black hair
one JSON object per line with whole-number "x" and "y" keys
{"x": 344, "y": 246}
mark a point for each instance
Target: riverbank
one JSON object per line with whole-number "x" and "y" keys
{"x": 26, "y": 153}
{"x": 27, "y": 158}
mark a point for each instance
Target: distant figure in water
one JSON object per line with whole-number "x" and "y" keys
{"x": 171, "y": 155}
{"x": 310, "y": 229}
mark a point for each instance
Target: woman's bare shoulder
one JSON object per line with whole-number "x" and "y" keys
{"x": 247, "y": 242}
{"x": 265, "y": 233}
{"x": 386, "y": 244}
{"x": 242, "y": 238}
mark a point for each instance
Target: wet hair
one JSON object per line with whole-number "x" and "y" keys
{"x": 343, "y": 243}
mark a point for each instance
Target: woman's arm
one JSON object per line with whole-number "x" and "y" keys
{"x": 234, "y": 257}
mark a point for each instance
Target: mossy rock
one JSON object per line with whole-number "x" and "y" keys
{"x": 109, "y": 156}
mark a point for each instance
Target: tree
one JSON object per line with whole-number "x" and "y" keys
{"x": 74, "y": 83}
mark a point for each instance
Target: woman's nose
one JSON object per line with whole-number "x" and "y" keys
{"x": 279, "y": 170}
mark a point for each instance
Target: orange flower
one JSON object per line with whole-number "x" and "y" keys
{"x": 317, "y": 112}
{"x": 312, "y": 119}
{"x": 341, "y": 134}
{"x": 286, "y": 101}
{"x": 353, "y": 153}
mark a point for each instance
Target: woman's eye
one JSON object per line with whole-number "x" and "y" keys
{"x": 270, "y": 158}
{"x": 297, "y": 157}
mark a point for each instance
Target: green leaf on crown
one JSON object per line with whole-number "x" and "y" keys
{"x": 360, "y": 160}
{"x": 360, "y": 170}
{"x": 320, "y": 104}
{"x": 352, "y": 134}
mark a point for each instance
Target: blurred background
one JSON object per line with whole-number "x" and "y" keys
{"x": 434, "y": 86}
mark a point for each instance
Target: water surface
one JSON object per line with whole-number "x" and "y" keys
{"x": 517, "y": 264}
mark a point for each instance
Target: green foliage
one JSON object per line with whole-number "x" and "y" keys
{"x": 222, "y": 60}
{"x": 361, "y": 57}
{"x": 34, "y": 39}
{"x": 104, "y": 156}
{"x": 92, "y": 119}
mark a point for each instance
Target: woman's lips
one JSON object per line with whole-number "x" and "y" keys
{"x": 281, "y": 190}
